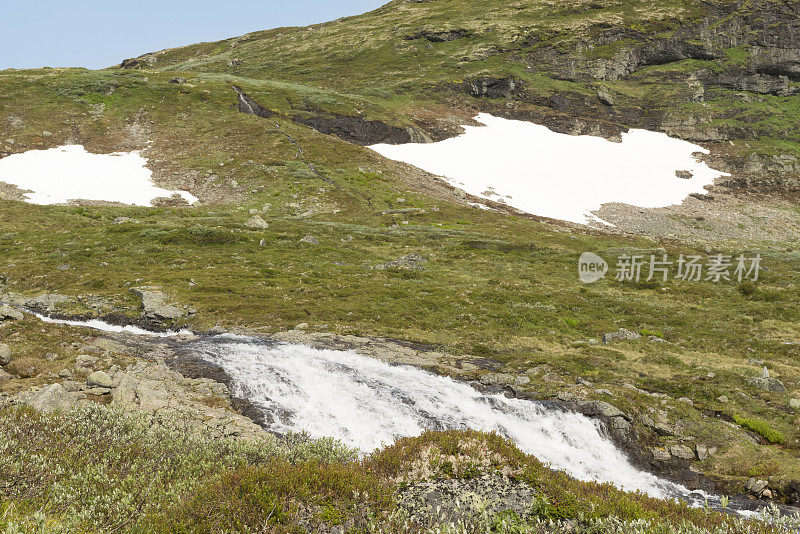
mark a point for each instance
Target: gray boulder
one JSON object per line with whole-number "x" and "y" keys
{"x": 621, "y": 334}
{"x": 48, "y": 399}
{"x": 601, "y": 408}
{"x": 755, "y": 486}
{"x": 7, "y": 313}
{"x": 256, "y": 223}
{"x": 682, "y": 451}
{"x": 4, "y": 376}
{"x": 767, "y": 383}
{"x": 5, "y": 354}
{"x": 412, "y": 262}
{"x": 99, "y": 379}
{"x": 156, "y": 306}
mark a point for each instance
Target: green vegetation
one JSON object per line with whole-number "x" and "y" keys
{"x": 98, "y": 469}
{"x": 496, "y": 293}
{"x": 762, "y": 428}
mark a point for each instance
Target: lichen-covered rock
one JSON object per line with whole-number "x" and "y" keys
{"x": 7, "y": 313}
{"x": 601, "y": 408}
{"x": 154, "y": 388}
{"x": 682, "y": 451}
{"x": 256, "y": 222}
{"x": 48, "y": 399}
{"x": 155, "y": 305}
{"x": 621, "y": 334}
{"x": 99, "y": 379}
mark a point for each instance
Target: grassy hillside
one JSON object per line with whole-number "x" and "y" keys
{"x": 496, "y": 292}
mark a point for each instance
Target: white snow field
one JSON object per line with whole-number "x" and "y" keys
{"x": 58, "y": 175}
{"x": 567, "y": 177}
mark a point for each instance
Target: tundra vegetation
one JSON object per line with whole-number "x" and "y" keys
{"x": 495, "y": 287}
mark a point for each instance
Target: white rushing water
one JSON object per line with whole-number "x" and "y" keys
{"x": 59, "y": 175}
{"x": 367, "y": 403}
{"x": 97, "y": 324}
{"x": 560, "y": 176}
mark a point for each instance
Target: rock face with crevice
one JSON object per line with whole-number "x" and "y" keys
{"x": 350, "y": 128}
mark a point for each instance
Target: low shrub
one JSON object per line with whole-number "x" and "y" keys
{"x": 762, "y": 428}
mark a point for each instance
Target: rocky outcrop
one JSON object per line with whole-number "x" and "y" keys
{"x": 156, "y": 305}
{"x": 462, "y": 499}
{"x": 247, "y": 104}
{"x": 51, "y": 398}
{"x": 358, "y": 130}
{"x": 767, "y": 383}
{"x": 7, "y": 313}
{"x": 351, "y": 128}
{"x": 410, "y": 262}
{"x": 439, "y": 36}
{"x": 490, "y": 87}
{"x": 155, "y": 388}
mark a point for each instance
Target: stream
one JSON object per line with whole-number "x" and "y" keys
{"x": 367, "y": 403}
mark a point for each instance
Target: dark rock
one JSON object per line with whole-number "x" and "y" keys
{"x": 439, "y": 36}
{"x": 488, "y": 87}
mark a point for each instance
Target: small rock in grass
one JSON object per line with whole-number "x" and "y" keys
{"x": 310, "y": 239}
{"x": 5, "y": 354}
{"x": 723, "y": 399}
{"x": 65, "y": 373}
{"x": 256, "y": 222}
{"x": 553, "y": 378}
{"x": 4, "y": 376}
{"x": 85, "y": 360}
{"x": 621, "y": 334}
{"x": 794, "y": 404}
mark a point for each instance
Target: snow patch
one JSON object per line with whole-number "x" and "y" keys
{"x": 539, "y": 171}
{"x": 59, "y": 175}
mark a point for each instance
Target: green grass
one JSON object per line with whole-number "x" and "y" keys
{"x": 494, "y": 287}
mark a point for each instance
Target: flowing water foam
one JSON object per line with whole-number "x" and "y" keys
{"x": 367, "y": 403}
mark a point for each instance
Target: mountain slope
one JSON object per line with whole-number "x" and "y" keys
{"x": 273, "y": 124}
{"x": 717, "y": 72}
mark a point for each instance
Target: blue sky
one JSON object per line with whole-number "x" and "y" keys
{"x": 96, "y": 34}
